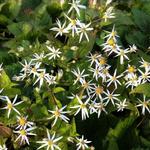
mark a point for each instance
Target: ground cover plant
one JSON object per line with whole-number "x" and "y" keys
{"x": 74, "y": 74}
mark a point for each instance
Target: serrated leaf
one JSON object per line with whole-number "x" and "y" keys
{"x": 142, "y": 89}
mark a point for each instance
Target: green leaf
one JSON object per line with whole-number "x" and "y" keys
{"x": 58, "y": 89}
{"x": 142, "y": 89}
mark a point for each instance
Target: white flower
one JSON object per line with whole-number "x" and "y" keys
{"x": 130, "y": 71}
{"x": 73, "y": 25}
{"x": 54, "y": 53}
{"x": 112, "y": 35}
{"x": 111, "y": 97}
{"x": 34, "y": 69}
{"x": 23, "y": 133}
{"x": 82, "y": 143}
{"x": 109, "y": 14}
{"x": 108, "y": 2}
{"x": 50, "y": 142}
{"x": 26, "y": 66}
{"x": 82, "y": 107}
{"x": 104, "y": 74}
{"x": 83, "y": 31}
{"x": 114, "y": 79}
{"x": 145, "y": 76}
{"x": 59, "y": 113}
{"x": 122, "y": 105}
{"x": 133, "y": 48}
{"x": 1, "y": 69}
{"x": 122, "y": 53}
{"x": 144, "y": 104}
{"x": 23, "y": 122}
{"x": 60, "y": 29}
{"x": 38, "y": 57}
{"x": 100, "y": 107}
{"x": 92, "y": 107}
{"x": 3, "y": 147}
{"x": 93, "y": 58}
{"x": 11, "y": 105}
{"x": 144, "y": 64}
{"x": 79, "y": 75}
{"x": 41, "y": 77}
{"x": 75, "y": 5}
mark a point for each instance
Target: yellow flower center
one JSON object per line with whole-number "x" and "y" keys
{"x": 57, "y": 113}
{"x": 99, "y": 90}
{"x": 23, "y": 132}
{"x": 102, "y": 61}
{"x": 42, "y": 75}
{"x": 83, "y": 106}
{"x": 131, "y": 69}
{"x": 9, "y": 105}
{"x": 73, "y": 22}
{"x": 50, "y": 143}
{"x": 111, "y": 42}
{"x": 22, "y": 121}
{"x": 34, "y": 69}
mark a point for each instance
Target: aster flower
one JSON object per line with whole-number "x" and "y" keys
{"x": 26, "y": 66}
{"x": 111, "y": 97}
{"x": 23, "y": 122}
{"x": 92, "y": 58}
{"x": 100, "y": 107}
{"x": 50, "y": 142}
{"x": 75, "y": 5}
{"x": 23, "y": 135}
{"x": 144, "y": 104}
{"x": 82, "y": 107}
{"x": 109, "y": 14}
{"x": 144, "y": 64}
{"x": 54, "y": 53}
{"x": 80, "y": 76}
{"x": 121, "y": 105}
{"x": 83, "y": 29}
{"x": 82, "y": 143}
{"x": 38, "y": 57}
{"x": 34, "y": 69}
{"x": 11, "y": 105}
{"x": 61, "y": 29}
{"x": 132, "y": 48}
{"x": 122, "y": 53}
{"x": 59, "y": 113}
{"x": 145, "y": 76}
{"x": 114, "y": 79}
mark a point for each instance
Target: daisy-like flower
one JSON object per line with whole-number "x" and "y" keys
{"x": 83, "y": 31}
{"x": 87, "y": 85}
{"x": 82, "y": 107}
{"x": 3, "y": 147}
{"x": 80, "y": 76}
{"x": 114, "y": 79}
{"x": 59, "y": 113}
{"x": 1, "y": 69}
{"x": 145, "y": 76}
{"x": 73, "y": 25}
{"x": 26, "y": 66}
{"x": 34, "y": 69}
{"x": 96, "y": 71}
{"x": 50, "y": 142}
{"x": 111, "y": 97}
{"x": 144, "y": 104}
{"x": 20, "y": 77}
{"x": 131, "y": 70}
{"x": 92, "y": 107}
{"x": 133, "y": 48}
{"x": 93, "y": 57}
{"x": 133, "y": 81}
{"x": 51, "y": 79}
{"x": 122, "y": 53}
{"x": 38, "y": 57}
{"x": 11, "y": 105}
{"x": 23, "y": 122}
{"x": 100, "y": 107}
{"x": 108, "y": 14}
{"x": 97, "y": 91}
{"x": 54, "y": 53}
{"x": 23, "y": 135}
{"x": 82, "y": 143}
{"x": 144, "y": 64}
{"x": 121, "y": 105}
{"x": 41, "y": 77}
{"x": 104, "y": 74}
{"x": 75, "y": 5}
{"x": 61, "y": 29}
